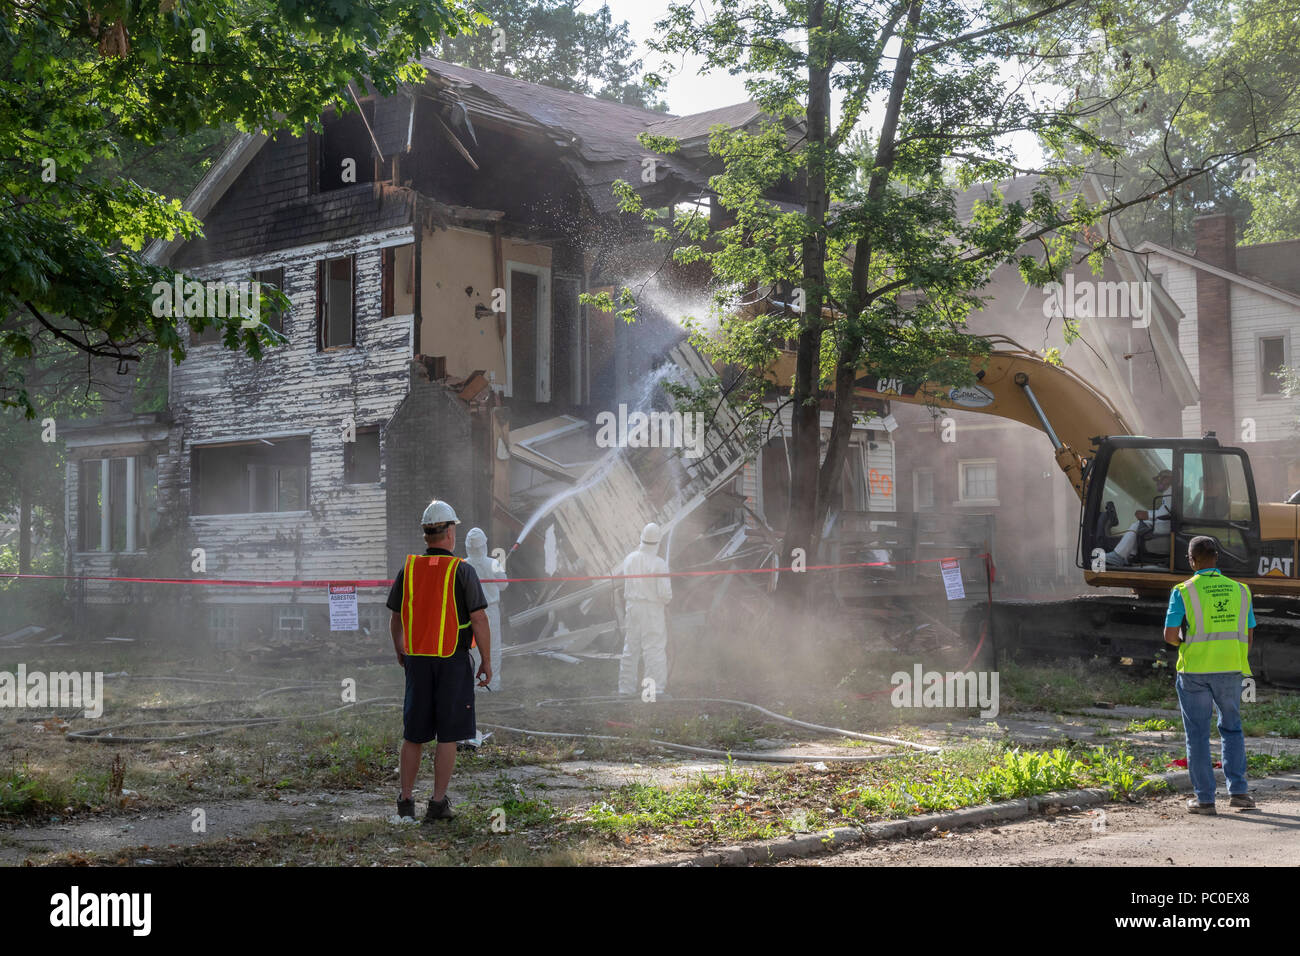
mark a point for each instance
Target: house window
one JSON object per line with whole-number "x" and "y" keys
{"x": 344, "y": 149}
{"x": 222, "y": 623}
{"x": 978, "y": 481}
{"x": 1272, "y": 359}
{"x": 274, "y": 279}
{"x": 528, "y": 321}
{"x": 361, "y": 458}
{"x": 251, "y": 477}
{"x": 334, "y": 307}
{"x": 117, "y": 506}
{"x": 290, "y": 621}
{"x": 399, "y": 280}
{"x": 923, "y": 489}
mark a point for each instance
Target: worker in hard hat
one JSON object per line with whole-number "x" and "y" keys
{"x": 646, "y": 630}
{"x": 488, "y": 567}
{"x": 438, "y": 608}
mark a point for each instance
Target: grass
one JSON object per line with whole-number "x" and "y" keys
{"x": 1074, "y": 685}
{"x": 1152, "y": 723}
{"x": 756, "y": 804}
{"x": 1264, "y": 765}
{"x": 1278, "y": 716}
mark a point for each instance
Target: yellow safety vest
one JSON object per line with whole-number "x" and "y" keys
{"x": 1218, "y": 625}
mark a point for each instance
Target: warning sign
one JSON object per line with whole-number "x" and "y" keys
{"x": 951, "y": 569}
{"x": 343, "y": 607}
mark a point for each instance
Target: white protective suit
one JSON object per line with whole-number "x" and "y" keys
{"x": 644, "y": 624}
{"x": 476, "y": 554}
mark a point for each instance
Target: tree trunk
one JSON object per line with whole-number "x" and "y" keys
{"x": 24, "y": 531}
{"x": 850, "y": 354}
{"x": 805, "y": 413}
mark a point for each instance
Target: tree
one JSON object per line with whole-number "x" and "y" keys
{"x": 81, "y": 77}
{"x": 553, "y": 43}
{"x": 874, "y": 272}
{"x": 1221, "y": 83}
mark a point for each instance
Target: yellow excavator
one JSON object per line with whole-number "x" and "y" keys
{"x": 1115, "y": 473}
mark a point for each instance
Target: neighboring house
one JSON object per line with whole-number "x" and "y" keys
{"x": 433, "y": 247}
{"x": 963, "y": 462}
{"x": 1241, "y": 325}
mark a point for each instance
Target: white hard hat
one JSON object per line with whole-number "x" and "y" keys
{"x": 651, "y": 534}
{"x": 439, "y": 512}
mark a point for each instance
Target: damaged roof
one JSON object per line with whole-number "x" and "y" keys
{"x": 597, "y": 138}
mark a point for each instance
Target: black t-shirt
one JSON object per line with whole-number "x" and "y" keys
{"x": 469, "y": 595}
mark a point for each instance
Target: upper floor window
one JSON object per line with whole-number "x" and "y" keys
{"x": 1272, "y": 359}
{"x": 344, "y": 151}
{"x": 978, "y": 481}
{"x": 335, "y": 320}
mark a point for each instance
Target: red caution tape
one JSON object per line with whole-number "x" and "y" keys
{"x": 378, "y": 583}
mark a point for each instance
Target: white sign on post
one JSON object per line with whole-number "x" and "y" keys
{"x": 343, "y": 607}
{"x": 951, "y": 569}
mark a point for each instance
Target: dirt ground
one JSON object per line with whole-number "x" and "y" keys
{"x": 268, "y": 793}
{"x": 1157, "y": 832}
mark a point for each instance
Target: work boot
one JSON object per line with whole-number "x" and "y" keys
{"x": 439, "y": 810}
{"x": 1242, "y": 801}
{"x": 406, "y": 808}
{"x": 1195, "y": 806}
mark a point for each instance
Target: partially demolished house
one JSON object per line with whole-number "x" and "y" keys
{"x": 433, "y": 245}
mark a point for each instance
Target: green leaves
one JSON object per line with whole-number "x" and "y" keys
{"x": 86, "y": 83}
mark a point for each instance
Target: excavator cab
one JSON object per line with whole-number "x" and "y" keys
{"x": 1183, "y": 488}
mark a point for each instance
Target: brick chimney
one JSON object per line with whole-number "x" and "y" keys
{"x": 1216, "y": 244}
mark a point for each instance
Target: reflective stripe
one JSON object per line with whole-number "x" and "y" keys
{"x": 1206, "y": 651}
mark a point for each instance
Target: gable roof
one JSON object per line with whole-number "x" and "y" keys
{"x": 1256, "y": 285}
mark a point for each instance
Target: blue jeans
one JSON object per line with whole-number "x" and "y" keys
{"x": 1198, "y": 694}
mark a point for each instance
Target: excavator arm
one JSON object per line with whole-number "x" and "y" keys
{"x": 1017, "y": 384}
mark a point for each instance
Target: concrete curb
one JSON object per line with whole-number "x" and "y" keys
{"x": 807, "y": 844}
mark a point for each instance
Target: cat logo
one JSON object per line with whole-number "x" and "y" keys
{"x": 1275, "y": 567}
{"x": 889, "y": 386}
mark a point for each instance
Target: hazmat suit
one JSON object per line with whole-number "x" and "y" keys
{"x": 645, "y": 626}
{"x": 476, "y": 553}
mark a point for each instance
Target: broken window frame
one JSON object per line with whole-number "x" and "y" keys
{"x": 388, "y": 278}
{"x": 323, "y": 303}
{"x": 318, "y": 148}
{"x": 273, "y": 277}
{"x": 349, "y": 457}
{"x": 541, "y": 349}
{"x": 199, "y": 506}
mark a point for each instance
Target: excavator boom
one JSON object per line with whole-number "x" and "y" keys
{"x": 1014, "y": 383}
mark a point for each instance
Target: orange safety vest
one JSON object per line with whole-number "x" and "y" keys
{"x": 430, "y": 621}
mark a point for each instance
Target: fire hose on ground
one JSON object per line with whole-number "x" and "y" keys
{"x": 220, "y": 725}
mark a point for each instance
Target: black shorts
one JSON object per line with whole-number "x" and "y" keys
{"x": 439, "y": 699}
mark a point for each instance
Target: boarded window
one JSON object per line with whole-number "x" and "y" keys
{"x": 399, "y": 280}
{"x": 361, "y": 458}
{"x": 345, "y": 149}
{"x": 1272, "y": 358}
{"x": 334, "y": 313}
{"x": 267, "y": 475}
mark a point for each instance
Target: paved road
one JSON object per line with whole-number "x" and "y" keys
{"x": 1158, "y": 832}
